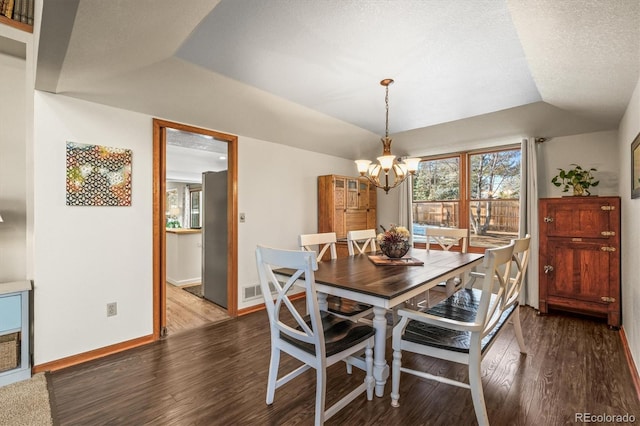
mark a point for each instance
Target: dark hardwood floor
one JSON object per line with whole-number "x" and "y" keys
{"x": 217, "y": 374}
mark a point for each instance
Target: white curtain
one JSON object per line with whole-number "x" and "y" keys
{"x": 529, "y": 217}
{"x": 406, "y": 211}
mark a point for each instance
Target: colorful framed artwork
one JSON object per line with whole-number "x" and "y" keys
{"x": 98, "y": 175}
{"x": 635, "y": 167}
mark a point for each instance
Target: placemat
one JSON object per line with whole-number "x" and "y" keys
{"x": 403, "y": 261}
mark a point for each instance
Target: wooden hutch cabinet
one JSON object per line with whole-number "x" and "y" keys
{"x": 580, "y": 256}
{"x": 345, "y": 204}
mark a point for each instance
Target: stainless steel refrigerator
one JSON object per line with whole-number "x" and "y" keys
{"x": 214, "y": 237}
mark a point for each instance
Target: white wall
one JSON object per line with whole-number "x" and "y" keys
{"x": 278, "y": 192}
{"x": 86, "y": 257}
{"x": 12, "y": 169}
{"x": 589, "y": 150}
{"x": 628, "y": 130}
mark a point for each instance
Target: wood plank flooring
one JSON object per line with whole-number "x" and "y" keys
{"x": 186, "y": 311}
{"x": 216, "y": 375}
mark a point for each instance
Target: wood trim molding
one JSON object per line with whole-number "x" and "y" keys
{"x": 16, "y": 24}
{"x": 261, "y": 306}
{"x": 159, "y": 187}
{"x": 632, "y": 367}
{"x": 91, "y": 355}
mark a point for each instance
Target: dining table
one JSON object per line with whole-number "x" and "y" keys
{"x": 386, "y": 284}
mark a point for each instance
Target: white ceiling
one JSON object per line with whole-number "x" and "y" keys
{"x": 306, "y": 73}
{"x": 188, "y": 155}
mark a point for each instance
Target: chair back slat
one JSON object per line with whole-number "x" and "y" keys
{"x": 446, "y": 238}
{"x": 361, "y": 240}
{"x": 319, "y": 244}
{"x": 521, "y": 253}
{"x": 497, "y": 263}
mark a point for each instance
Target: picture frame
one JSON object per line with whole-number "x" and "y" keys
{"x": 635, "y": 167}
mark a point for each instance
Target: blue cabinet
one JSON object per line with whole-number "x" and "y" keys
{"x": 14, "y": 322}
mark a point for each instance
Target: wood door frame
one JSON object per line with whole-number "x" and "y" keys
{"x": 159, "y": 231}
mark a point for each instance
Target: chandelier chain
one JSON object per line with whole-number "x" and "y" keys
{"x": 386, "y": 102}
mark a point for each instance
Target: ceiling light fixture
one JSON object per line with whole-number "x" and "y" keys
{"x": 387, "y": 162}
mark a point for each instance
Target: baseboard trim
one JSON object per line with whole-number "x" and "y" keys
{"x": 119, "y": 347}
{"x": 261, "y": 306}
{"x": 91, "y": 355}
{"x": 632, "y": 367}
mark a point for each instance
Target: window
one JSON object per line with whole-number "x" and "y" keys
{"x": 476, "y": 190}
{"x": 195, "y": 202}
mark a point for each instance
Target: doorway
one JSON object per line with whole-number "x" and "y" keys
{"x": 160, "y": 131}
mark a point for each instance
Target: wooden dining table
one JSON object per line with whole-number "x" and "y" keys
{"x": 386, "y": 286}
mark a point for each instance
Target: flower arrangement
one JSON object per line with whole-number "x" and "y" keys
{"x": 394, "y": 242}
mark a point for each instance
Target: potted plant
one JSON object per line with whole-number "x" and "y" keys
{"x": 577, "y": 178}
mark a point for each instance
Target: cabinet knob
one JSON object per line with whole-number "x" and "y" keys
{"x": 548, "y": 269}
{"x": 548, "y": 219}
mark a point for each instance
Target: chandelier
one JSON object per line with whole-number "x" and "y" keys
{"x": 378, "y": 174}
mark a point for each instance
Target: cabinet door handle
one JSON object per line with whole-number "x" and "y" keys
{"x": 608, "y": 299}
{"x": 607, "y": 248}
{"x": 548, "y": 219}
{"x": 548, "y": 269}
{"x": 608, "y": 233}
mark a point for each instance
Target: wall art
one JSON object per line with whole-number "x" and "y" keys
{"x": 98, "y": 175}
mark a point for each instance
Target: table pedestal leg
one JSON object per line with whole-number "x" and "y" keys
{"x": 380, "y": 367}
{"x": 322, "y": 301}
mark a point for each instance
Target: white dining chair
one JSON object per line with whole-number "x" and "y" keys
{"x": 321, "y": 244}
{"x": 463, "y": 327}
{"x": 446, "y": 239}
{"x": 361, "y": 241}
{"x": 318, "y": 340}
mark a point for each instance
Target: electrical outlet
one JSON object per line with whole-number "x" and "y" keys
{"x": 112, "y": 309}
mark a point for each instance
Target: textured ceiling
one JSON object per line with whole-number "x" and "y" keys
{"x": 306, "y": 73}
{"x": 450, "y": 59}
{"x": 188, "y": 155}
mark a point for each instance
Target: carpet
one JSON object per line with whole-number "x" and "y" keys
{"x": 196, "y": 290}
{"x": 26, "y": 403}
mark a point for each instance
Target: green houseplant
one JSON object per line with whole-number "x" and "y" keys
{"x": 577, "y": 178}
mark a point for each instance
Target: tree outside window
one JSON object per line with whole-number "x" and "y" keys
{"x": 479, "y": 191}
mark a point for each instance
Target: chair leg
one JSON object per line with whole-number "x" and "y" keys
{"x": 453, "y": 285}
{"x": 518, "y": 329}
{"x": 321, "y": 383}
{"x": 273, "y": 373}
{"x": 477, "y": 394}
{"x": 369, "y": 380}
{"x": 395, "y": 378}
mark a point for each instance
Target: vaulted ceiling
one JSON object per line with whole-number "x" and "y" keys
{"x": 306, "y": 73}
